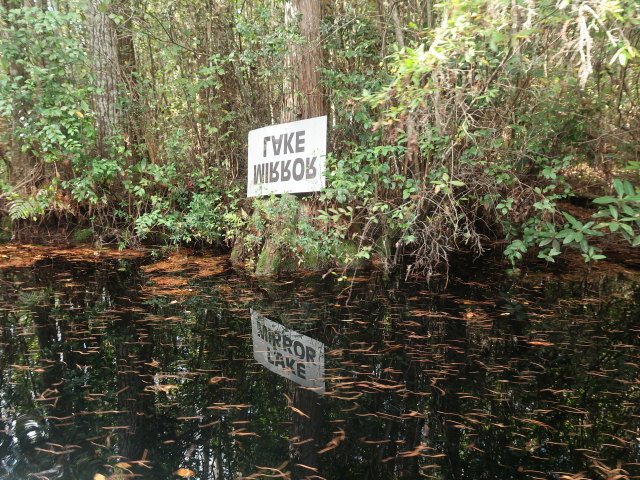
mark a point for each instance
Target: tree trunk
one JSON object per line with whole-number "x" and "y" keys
{"x": 128, "y": 68}
{"x": 103, "y": 47}
{"x": 303, "y": 93}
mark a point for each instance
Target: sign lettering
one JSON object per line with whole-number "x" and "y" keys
{"x": 287, "y": 158}
{"x": 288, "y": 353}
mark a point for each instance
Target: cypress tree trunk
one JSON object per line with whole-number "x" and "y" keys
{"x": 103, "y": 47}
{"x": 303, "y": 93}
{"x": 131, "y": 121}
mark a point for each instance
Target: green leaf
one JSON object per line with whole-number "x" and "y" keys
{"x": 626, "y": 228}
{"x": 568, "y": 239}
{"x": 628, "y": 188}
{"x": 584, "y": 246}
{"x": 614, "y": 211}
{"x": 545, "y": 242}
{"x": 618, "y": 186}
{"x": 574, "y": 222}
{"x": 628, "y": 210}
{"x": 604, "y": 200}
{"x": 409, "y": 239}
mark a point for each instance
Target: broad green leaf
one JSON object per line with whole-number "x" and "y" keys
{"x": 628, "y": 188}
{"x": 574, "y": 222}
{"x": 628, "y": 210}
{"x": 618, "y": 186}
{"x": 626, "y": 228}
{"x": 604, "y": 200}
{"x": 614, "y": 211}
{"x": 568, "y": 239}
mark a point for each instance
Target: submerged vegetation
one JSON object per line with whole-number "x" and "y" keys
{"x": 460, "y": 126}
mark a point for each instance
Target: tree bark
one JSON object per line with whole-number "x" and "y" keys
{"x": 303, "y": 92}
{"x": 128, "y": 68}
{"x": 103, "y": 47}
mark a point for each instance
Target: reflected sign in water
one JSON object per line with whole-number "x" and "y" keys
{"x": 288, "y": 353}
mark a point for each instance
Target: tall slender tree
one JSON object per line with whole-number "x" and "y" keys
{"x": 103, "y": 48}
{"x": 304, "y": 97}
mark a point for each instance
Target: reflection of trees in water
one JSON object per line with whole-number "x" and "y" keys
{"x": 70, "y": 371}
{"x": 496, "y": 387}
{"x": 492, "y": 411}
{"x": 133, "y": 351}
{"x": 305, "y": 429}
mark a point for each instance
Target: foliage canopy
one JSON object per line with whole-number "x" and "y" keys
{"x": 460, "y": 126}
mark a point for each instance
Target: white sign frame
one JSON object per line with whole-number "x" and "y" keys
{"x": 287, "y": 158}
{"x": 288, "y": 353}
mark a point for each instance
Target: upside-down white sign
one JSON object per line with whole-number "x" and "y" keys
{"x": 287, "y": 158}
{"x": 288, "y": 353}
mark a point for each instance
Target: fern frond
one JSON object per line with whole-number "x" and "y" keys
{"x": 24, "y": 207}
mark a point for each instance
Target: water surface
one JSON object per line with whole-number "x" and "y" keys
{"x": 117, "y": 366}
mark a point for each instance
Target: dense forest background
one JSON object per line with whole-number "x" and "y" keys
{"x": 465, "y": 125}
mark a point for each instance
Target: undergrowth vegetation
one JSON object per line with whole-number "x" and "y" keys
{"x": 459, "y": 127}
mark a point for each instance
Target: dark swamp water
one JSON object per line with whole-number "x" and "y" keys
{"x": 116, "y": 367}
